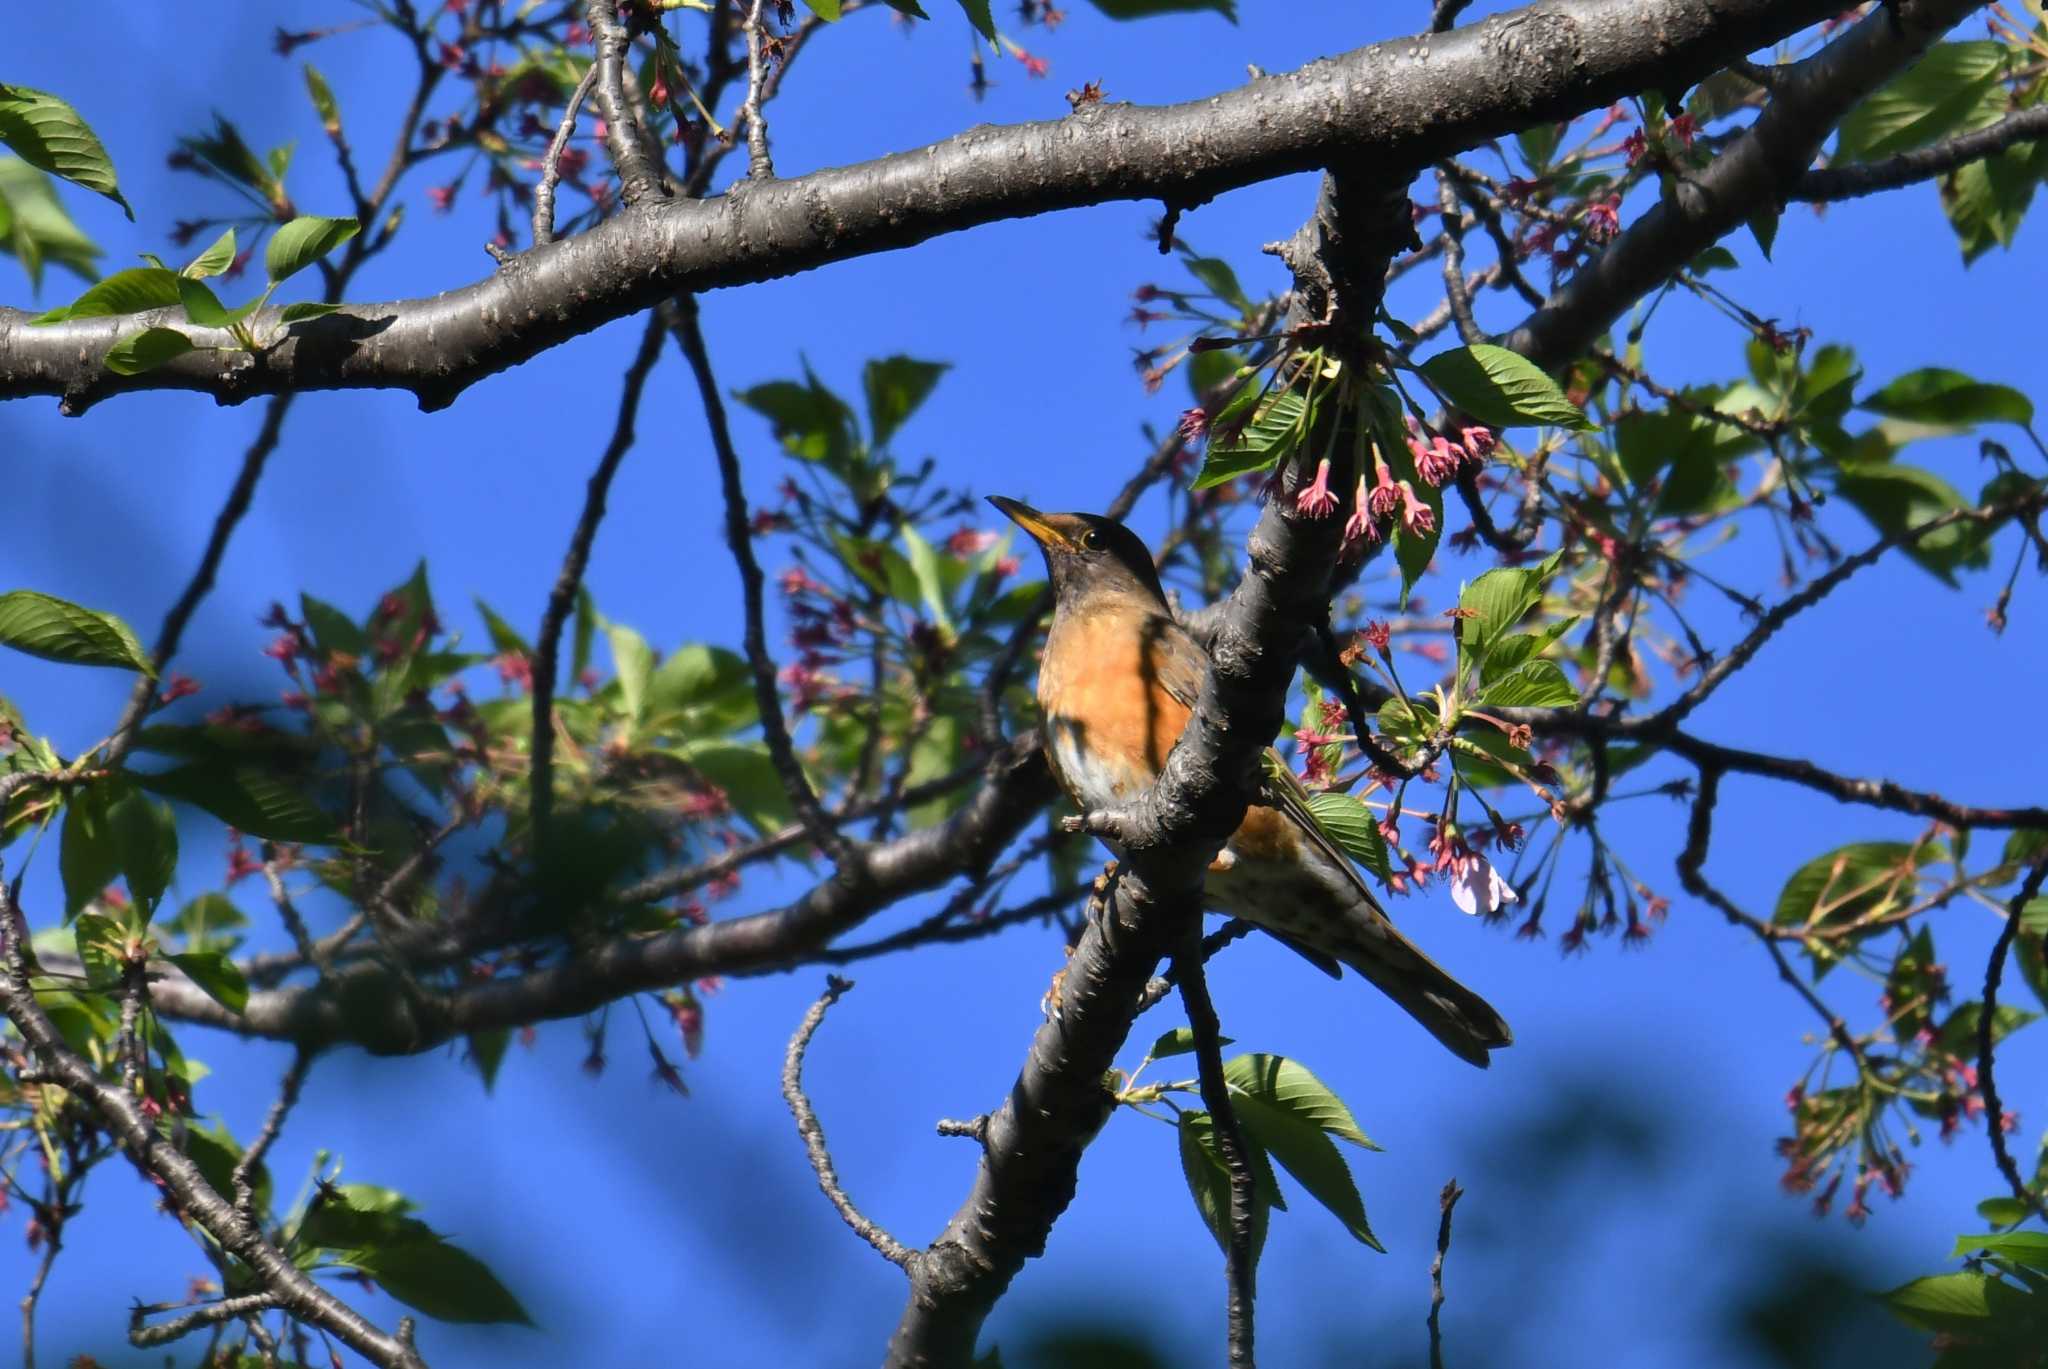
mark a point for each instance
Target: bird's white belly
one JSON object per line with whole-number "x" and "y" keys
{"x": 1094, "y": 782}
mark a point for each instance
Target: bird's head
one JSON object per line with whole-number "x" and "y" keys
{"x": 1086, "y": 554}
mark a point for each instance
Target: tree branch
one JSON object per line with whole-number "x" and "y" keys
{"x": 1239, "y": 1259}
{"x": 1398, "y": 105}
{"x": 813, "y": 1134}
{"x": 1994, "y": 1110}
{"x": 563, "y": 597}
{"x": 1923, "y": 164}
{"x": 1446, "y": 1200}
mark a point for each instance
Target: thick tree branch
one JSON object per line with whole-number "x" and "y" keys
{"x": 366, "y": 1005}
{"x": 1761, "y": 168}
{"x": 1400, "y": 105}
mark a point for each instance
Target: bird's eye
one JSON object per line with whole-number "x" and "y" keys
{"x": 1091, "y": 540}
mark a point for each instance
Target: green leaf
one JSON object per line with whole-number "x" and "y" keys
{"x": 2002, "y": 1211}
{"x": 1506, "y": 654}
{"x": 978, "y": 14}
{"x": 145, "y": 836}
{"x": 332, "y": 629}
{"x": 1277, "y": 430}
{"x": 1985, "y": 200}
{"x": 504, "y": 637}
{"x": 56, "y": 630}
{"x": 896, "y": 386}
{"x": 102, "y": 949}
{"x": 133, "y": 291}
{"x": 1533, "y": 684}
{"x": 1310, "y": 1156}
{"x": 1896, "y": 498}
{"x": 746, "y": 775}
{"x": 1958, "y": 1035}
{"x": 1763, "y": 226}
{"x": 1146, "y": 9}
{"x": 1179, "y": 1041}
{"x": 48, "y": 134}
{"x": 217, "y": 975}
{"x": 1498, "y": 600}
{"x": 1952, "y": 89}
{"x": 413, "y": 1262}
{"x": 1352, "y": 826}
{"x": 924, "y": 565}
{"x": 633, "y": 660}
{"x": 87, "y": 855}
{"x": 305, "y": 309}
{"x": 1937, "y": 395}
{"x": 204, "y": 308}
{"x": 1201, "y": 1162}
{"x": 828, "y": 10}
{"x": 322, "y": 96}
{"x": 35, "y": 227}
{"x": 208, "y": 923}
{"x": 250, "y": 798}
{"x": 1961, "y": 1302}
{"x": 487, "y": 1049}
{"x": 1215, "y": 274}
{"x": 2029, "y": 1248}
{"x": 303, "y": 241}
{"x": 1289, "y": 1086}
{"x": 146, "y": 350}
{"x": 215, "y": 259}
{"x": 808, "y": 420}
{"x": 1501, "y": 388}
{"x": 1865, "y": 879}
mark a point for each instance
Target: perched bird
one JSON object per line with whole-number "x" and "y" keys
{"x": 1117, "y": 685}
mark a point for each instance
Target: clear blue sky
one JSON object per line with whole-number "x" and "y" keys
{"x": 637, "y": 1225}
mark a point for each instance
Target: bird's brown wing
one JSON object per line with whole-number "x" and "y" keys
{"x": 1178, "y": 664}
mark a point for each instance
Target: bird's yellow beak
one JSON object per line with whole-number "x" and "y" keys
{"x": 1033, "y": 522}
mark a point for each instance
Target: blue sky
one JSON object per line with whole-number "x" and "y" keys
{"x": 636, "y": 1224}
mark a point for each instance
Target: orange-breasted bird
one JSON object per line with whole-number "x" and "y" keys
{"x": 1117, "y": 685}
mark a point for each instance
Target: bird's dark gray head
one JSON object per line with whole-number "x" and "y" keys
{"x": 1086, "y": 554}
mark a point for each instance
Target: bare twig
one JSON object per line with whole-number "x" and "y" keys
{"x": 1994, "y": 1110}
{"x": 1240, "y": 1260}
{"x": 563, "y": 597}
{"x": 1447, "y": 1200}
{"x": 739, "y": 535}
{"x": 1458, "y": 295}
{"x": 813, "y": 1134}
{"x": 243, "y": 1181}
{"x": 638, "y": 175}
{"x": 550, "y": 164}
{"x": 199, "y": 1318}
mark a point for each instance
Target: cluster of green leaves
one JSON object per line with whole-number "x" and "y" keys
{"x": 1993, "y": 1313}
{"x": 48, "y": 138}
{"x": 1289, "y": 1118}
{"x": 293, "y": 247}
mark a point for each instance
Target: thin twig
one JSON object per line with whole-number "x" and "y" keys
{"x": 1994, "y": 1110}
{"x": 807, "y": 1127}
{"x": 638, "y": 175}
{"x": 1923, "y": 164}
{"x": 550, "y": 164}
{"x": 1445, "y": 14}
{"x": 143, "y": 696}
{"x": 739, "y": 535}
{"x": 547, "y": 653}
{"x": 1240, "y": 1267}
{"x": 53, "y": 1234}
{"x": 243, "y": 1181}
{"x": 1447, "y": 1200}
{"x": 1457, "y": 294}
{"x": 212, "y": 1314}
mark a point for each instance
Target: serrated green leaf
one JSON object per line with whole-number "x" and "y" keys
{"x": 633, "y": 661}
{"x": 1539, "y": 683}
{"x": 250, "y": 798}
{"x": 218, "y": 257}
{"x": 87, "y": 856}
{"x": 1208, "y": 1179}
{"x": 978, "y": 14}
{"x": 145, "y": 836}
{"x": 1179, "y": 1041}
{"x": 48, "y": 134}
{"x": 1935, "y": 394}
{"x": 36, "y": 228}
{"x": 809, "y": 420}
{"x": 1508, "y": 653}
{"x": 1501, "y": 388}
{"x": 747, "y": 777}
{"x": 1953, "y": 88}
{"x": 2029, "y": 1248}
{"x": 204, "y": 308}
{"x": 1896, "y": 498}
{"x": 218, "y": 976}
{"x": 332, "y": 629}
{"x": 57, "y": 630}
{"x": 1215, "y": 274}
{"x": 896, "y": 387}
{"x": 305, "y": 309}
{"x": 303, "y": 241}
{"x": 1961, "y": 1302}
{"x": 1304, "y": 1151}
{"x": 828, "y": 10}
{"x": 133, "y": 291}
{"x": 146, "y": 350}
{"x": 1288, "y": 1085}
{"x": 368, "y": 1230}
{"x": 1864, "y": 879}
{"x": 1351, "y": 825}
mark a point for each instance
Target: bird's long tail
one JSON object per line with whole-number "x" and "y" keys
{"x": 1452, "y": 1013}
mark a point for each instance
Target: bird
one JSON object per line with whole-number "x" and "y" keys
{"x": 1116, "y": 686}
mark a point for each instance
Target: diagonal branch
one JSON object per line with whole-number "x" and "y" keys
{"x": 563, "y": 597}
{"x": 1923, "y": 164}
{"x": 1994, "y": 1109}
{"x": 812, "y": 1131}
{"x": 1399, "y": 105}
